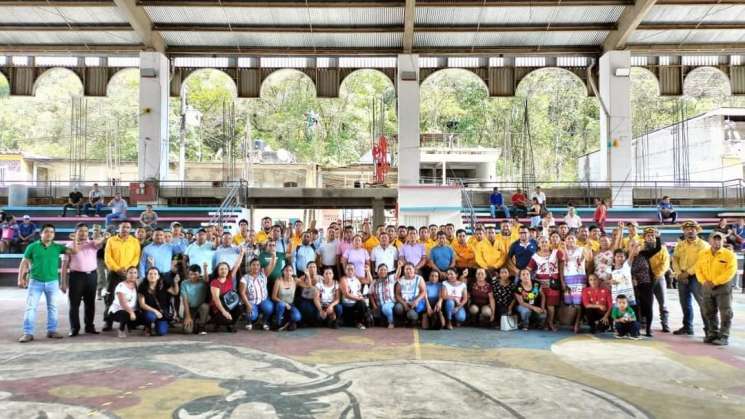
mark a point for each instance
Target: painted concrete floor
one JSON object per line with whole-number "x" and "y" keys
{"x": 377, "y": 373}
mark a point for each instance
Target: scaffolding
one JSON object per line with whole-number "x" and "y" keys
{"x": 526, "y": 162}
{"x": 681, "y": 166}
{"x": 229, "y": 161}
{"x": 78, "y": 137}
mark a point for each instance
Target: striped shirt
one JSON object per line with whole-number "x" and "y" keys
{"x": 255, "y": 288}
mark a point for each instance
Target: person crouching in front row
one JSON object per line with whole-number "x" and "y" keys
{"x": 624, "y": 319}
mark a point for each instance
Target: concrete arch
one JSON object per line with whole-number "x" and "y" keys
{"x": 644, "y": 72}
{"x": 119, "y": 74}
{"x": 345, "y": 76}
{"x": 41, "y": 76}
{"x": 4, "y": 80}
{"x": 278, "y": 72}
{"x": 233, "y": 88}
{"x": 519, "y": 79}
{"x": 722, "y": 74}
{"x": 475, "y": 72}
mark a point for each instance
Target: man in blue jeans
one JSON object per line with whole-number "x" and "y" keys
{"x": 684, "y": 261}
{"x": 118, "y": 209}
{"x": 497, "y": 201}
{"x": 42, "y": 260}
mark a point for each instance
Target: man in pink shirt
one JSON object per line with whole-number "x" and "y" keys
{"x": 79, "y": 272}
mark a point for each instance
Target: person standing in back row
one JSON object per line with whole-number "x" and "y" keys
{"x": 715, "y": 269}
{"x": 684, "y": 260}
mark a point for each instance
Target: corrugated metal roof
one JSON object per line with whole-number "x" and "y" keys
{"x": 501, "y": 39}
{"x": 68, "y": 37}
{"x": 687, "y": 36}
{"x": 48, "y": 15}
{"x": 277, "y": 16}
{"x": 693, "y": 14}
{"x": 517, "y": 15}
{"x": 284, "y": 40}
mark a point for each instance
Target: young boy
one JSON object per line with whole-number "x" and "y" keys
{"x": 624, "y": 319}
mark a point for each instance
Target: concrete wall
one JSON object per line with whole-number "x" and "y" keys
{"x": 429, "y": 204}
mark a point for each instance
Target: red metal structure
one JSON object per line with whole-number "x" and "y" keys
{"x": 380, "y": 159}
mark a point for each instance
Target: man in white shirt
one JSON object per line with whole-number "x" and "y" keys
{"x": 385, "y": 253}
{"x": 328, "y": 251}
{"x": 539, "y": 195}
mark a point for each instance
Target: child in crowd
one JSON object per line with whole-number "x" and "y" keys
{"x": 624, "y": 319}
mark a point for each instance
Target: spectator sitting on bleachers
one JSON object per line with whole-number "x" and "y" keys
{"x": 8, "y": 235}
{"x": 95, "y": 200}
{"x": 539, "y": 195}
{"x": 27, "y": 232}
{"x": 519, "y": 202}
{"x": 74, "y": 200}
{"x": 149, "y": 218}
{"x": 665, "y": 211}
{"x": 496, "y": 201}
{"x": 118, "y": 209}
{"x": 738, "y": 234}
{"x": 571, "y": 219}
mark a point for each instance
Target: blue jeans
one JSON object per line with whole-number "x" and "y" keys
{"x": 112, "y": 217}
{"x": 35, "y": 290}
{"x": 308, "y": 310}
{"x": 266, "y": 307}
{"x": 386, "y": 310}
{"x": 279, "y": 311}
{"x": 526, "y": 314}
{"x": 459, "y": 316}
{"x": 493, "y": 210}
{"x": 87, "y": 208}
{"x": 686, "y": 293}
{"x": 161, "y": 325}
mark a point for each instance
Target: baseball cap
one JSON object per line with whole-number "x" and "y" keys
{"x": 718, "y": 234}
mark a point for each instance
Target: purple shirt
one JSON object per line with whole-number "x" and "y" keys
{"x": 413, "y": 253}
{"x": 357, "y": 257}
{"x": 344, "y": 246}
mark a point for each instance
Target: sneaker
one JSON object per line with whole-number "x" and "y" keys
{"x": 617, "y": 336}
{"x": 202, "y": 332}
{"x": 249, "y": 326}
{"x": 265, "y": 327}
{"x": 720, "y": 341}
{"x": 635, "y": 337}
{"x": 26, "y": 338}
{"x": 283, "y": 327}
{"x": 683, "y": 331}
{"x": 122, "y": 334}
{"x": 54, "y": 335}
{"x": 665, "y": 328}
{"x": 361, "y": 326}
{"x": 710, "y": 339}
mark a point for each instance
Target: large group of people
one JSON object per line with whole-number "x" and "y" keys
{"x": 506, "y": 276}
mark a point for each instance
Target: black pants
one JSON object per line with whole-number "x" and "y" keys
{"x": 220, "y": 320}
{"x": 122, "y": 317}
{"x": 593, "y": 316}
{"x": 627, "y": 328}
{"x": 502, "y": 310}
{"x": 644, "y": 303}
{"x": 114, "y": 280}
{"x": 82, "y": 288}
{"x": 77, "y": 207}
{"x": 356, "y": 312}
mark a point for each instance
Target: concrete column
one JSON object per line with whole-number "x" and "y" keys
{"x": 378, "y": 212}
{"x": 444, "y": 173}
{"x": 616, "y": 158}
{"x": 407, "y": 81}
{"x": 152, "y": 155}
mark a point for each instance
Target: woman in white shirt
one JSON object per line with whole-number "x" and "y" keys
{"x": 327, "y": 298}
{"x": 455, "y": 295}
{"x": 572, "y": 220}
{"x": 124, "y": 307}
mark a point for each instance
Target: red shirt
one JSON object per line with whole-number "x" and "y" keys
{"x": 597, "y": 295}
{"x": 224, "y": 288}
{"x": 480, "y": 294}
{"x": 519, "y": 198}
{"x": 600, "y": 213}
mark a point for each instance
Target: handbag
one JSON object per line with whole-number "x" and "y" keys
{"x": 230, "y": 300}
{"x": 507, "y": 323}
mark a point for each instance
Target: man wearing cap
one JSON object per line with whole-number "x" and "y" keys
{"x": 715, "y": 269}
{"x": 27, "y": 233}
{"x": 633, "y": 234}
{"x": 659, "y": 263}
{"x": 684, "y": 261}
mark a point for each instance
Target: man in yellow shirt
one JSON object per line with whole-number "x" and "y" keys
{"x": 242, "y": 234}
{"x": 374, "y": 239}
{"x": 478, "y": 235}
{"x": 684, "y": 261}
{"x": 659, "y": 264}
{"x": 266, "y": 230}
{"x": 122, "y": 252}
{"x": 506, "y": 234}
{"x": 426, "y": 239}
{"x": 715, "y": 269}
{"x": 296, "y": 238}
{"x": 633, "y": 234}
{"x": 490, "y": 253}
{"x": 464, "y": 253}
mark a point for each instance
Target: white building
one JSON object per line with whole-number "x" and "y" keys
{"x": 716, "y": 150}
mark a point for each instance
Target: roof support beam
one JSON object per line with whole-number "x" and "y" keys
{"x": 128, "y": 49}
{"x": 382, "y": 28}
{"x": 584, "y": 50}
{"x": 59, "y": 3}
{"x": 409, "y": 16}
{"x": 141, "y": 24}
{"x": 627, "y": 23}
{"x": 108, "y": 27}
{"x": 381, "y": 3}
{"x": 681, "y": 49}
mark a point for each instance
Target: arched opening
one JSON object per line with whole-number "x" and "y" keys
{"x": 57, "y": 83}
{"x": 648, "y": 109}
{"x": 562, "y": 123}
{"x": 706, "y": 82}
{"x": 4, "y": 86}
{"x": 367, "y": 98}
{"x": 209, "y": 127}
{"x": 454, "y": 101}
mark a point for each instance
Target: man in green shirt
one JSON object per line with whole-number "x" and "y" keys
{"x": 42, "y": 260}
{"x": 272, "y": 262}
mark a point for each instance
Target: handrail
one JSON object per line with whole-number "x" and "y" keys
{"x": 469, "y": 205}
{"x": 232, "y": 200}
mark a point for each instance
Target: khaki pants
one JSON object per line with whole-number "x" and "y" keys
{"x": 199, "y": 317}
{"x": 717, "y": 305}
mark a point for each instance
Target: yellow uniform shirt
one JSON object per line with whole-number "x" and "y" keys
{"x": 591, "y": 245}
{"x": 660, "y": 263}
{"x": 262, "y": 237}
{"x": 686, "y": 254}
{"x": 121, "y": 254}
{"x": 491, "y": 255}
{"x": 398, "y": 243}
{"x": 371, "y": 243}
{"x": 515, "y": 233}
{"x": 296, "y": 240}
{"x": 472, "y": 241}
{"x": 464, "y": 255}
{"x": 638, "y": 239}
{"x": 428, "y": 245}
{"x": 719, "y": 268}
{"x": 239, "y": 239}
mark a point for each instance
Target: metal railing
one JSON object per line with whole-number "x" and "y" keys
{"x": 228, "y": 204}
{"x": 468, "y": 205}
